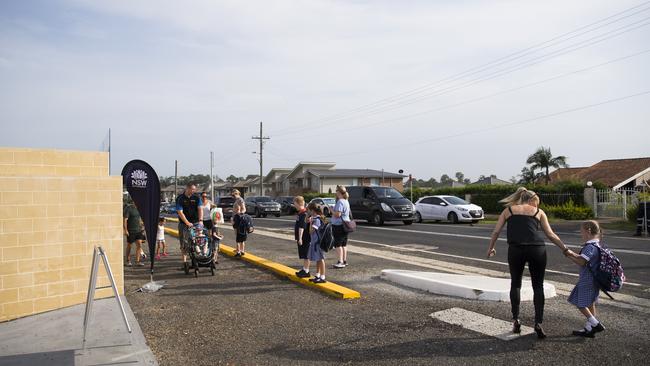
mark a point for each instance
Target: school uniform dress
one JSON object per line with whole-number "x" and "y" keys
{"x": 315, "y": 251}
{"x": 301, "y": 223}
{"x": 586, "y": 291}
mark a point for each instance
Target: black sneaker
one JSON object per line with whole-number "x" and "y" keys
{"x": 585, "y": 333}
{"x": 237, "y": 255}
{"x": 598, "y": 328}
{"x": 314, "y": 279}
{"x": 302, "y": 274}
{"x": 319, "y": 280}
{"x": 242, "y": 254}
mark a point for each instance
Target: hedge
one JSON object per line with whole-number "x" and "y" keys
{"x": 488, "y": 196}
{"x": 568, "y": 211}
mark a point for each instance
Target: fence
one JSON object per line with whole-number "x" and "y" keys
{"x": 615, "y": 203}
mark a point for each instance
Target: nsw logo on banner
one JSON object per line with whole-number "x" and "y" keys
{"x": 139, "y": 179}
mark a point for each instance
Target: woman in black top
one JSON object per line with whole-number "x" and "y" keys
{"x": 527, "y": 226}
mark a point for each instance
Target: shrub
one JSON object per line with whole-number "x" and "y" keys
{"x": 568, "y": 211}
{"x": 488, "y": 196}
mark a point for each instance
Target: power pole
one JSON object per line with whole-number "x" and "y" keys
{"x": 211, "y": 176}
{"x": 261, "y": 138}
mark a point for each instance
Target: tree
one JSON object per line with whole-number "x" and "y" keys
{"x": 543, "y": 159}
{"x": 528, "y": 175}
{"x": 445, "y": 179}
{"x": 459, "y": 177}
{"x": 467, "y": 181}
{"x": 232, "y": 179}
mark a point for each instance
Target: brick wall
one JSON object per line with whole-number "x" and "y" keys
{"x": 55, "y": 206}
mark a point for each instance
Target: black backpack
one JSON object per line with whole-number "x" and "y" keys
{"x": 325, "y": 236}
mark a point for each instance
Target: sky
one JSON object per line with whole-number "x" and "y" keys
{"x": 429, "y": 87}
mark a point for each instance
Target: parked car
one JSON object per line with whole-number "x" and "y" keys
{"x": 260, "y": 206}
{"x": 286, "y": 205}
{"x": 225, "y": 203}
{"x": 326, "y": 204}
{"x": 168, "y": 208}
{"x": 380, "y": 204}
{"x": 450, "y": 208}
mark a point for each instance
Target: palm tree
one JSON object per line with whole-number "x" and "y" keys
{"x": 543, "y": 159}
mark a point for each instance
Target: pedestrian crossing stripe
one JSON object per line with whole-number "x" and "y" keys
{"x": 480, "y": 323}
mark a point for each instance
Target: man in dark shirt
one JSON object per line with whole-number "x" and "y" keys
{"x": 133, "y": 230}
{"x": 188, "y": 207}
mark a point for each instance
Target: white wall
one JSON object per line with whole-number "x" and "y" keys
{"x": 328, "y": 183}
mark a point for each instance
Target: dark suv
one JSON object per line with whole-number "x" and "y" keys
{"x": 260, "y": 206}
{"x": 379, "y": 204}
{"x": 286, "y": 204}
{"x": 226, "y": 203}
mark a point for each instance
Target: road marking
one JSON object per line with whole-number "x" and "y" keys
{"x": 480, "y": 323}
{"x": 622, "y": 300}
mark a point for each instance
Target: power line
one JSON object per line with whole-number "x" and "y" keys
{"x": 495, "y": 127}
{"x": 526, "y": 64}
{"x": 473, "y": 100}
{"x": 488, "y": 65}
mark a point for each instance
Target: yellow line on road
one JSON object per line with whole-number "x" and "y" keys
{"x": 329, "y": 288}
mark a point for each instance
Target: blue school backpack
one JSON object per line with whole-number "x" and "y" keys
{"x": 325, "y": 236}
{"x": 609, "y": 272}
{"x": 245, "y": 224}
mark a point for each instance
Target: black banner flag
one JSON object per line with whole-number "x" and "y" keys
{"x": 142, "y": 183}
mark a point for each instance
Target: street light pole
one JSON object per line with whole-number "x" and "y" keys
{"x": 211, "y": 175}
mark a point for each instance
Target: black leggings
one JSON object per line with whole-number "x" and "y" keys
{"x": 535, "y": 256}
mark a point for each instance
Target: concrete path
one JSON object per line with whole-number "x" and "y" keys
{"x": 55, "y": 338}
{"x": 465, "y": 286}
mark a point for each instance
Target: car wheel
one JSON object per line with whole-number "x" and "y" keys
{"x": 418, "y": 217}
{"x": 408, "y": 222}
{"x": 377, "y": 218}
{"x": 257, "y": 213}
{"x": 277, "y": 215}
{"x": 264, "y": 215}
{"x": 453, "y": 218}
{"x": 474, "y": 221}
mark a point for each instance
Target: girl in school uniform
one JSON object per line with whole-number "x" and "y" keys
{"x": 302, "y": 235}
{"x": 585, "y": 295}
{"x": 315, "y": 252}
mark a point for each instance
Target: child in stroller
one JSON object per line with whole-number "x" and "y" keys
{"x": 202, "y": 251}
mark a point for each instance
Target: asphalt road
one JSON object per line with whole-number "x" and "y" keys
{"x": 247, "y": 316}
{"x": 467, "y": 244}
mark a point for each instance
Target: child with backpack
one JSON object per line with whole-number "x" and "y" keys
{"x": 316, "y": 253}
{"x": 585, "y": 294}
{"x": 302, "y": 235}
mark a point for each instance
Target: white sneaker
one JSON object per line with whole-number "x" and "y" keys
{"x": 339, "y": 265}
{"x": 129, "y": 264}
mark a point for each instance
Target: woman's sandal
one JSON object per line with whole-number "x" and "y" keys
{"x": 539, "y": 331}
{"x": 516, "y": 326}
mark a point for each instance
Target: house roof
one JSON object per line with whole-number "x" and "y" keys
{"x": 276, "y": 174}
{"x": 315, "y": 165}
{"x": 492, "y": 181}
{"x": 354, "y": 173}
{"x": 565, "y": 174}
{"x": 613, "y": 173}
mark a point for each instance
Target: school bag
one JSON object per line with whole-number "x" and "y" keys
{"x": 246, "y": 224}
{"x": 608, "y": 273}
{"x": 325, "y": 236}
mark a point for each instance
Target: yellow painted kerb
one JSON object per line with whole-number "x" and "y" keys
{"x": 329, "y": 287}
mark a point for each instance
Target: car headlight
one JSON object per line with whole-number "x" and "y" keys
{"x": 462, "y": 209}
{"x": 413, "y": 208}
{"x": 386, "y": 208}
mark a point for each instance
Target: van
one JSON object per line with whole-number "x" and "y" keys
{"x": 379, "y": 204}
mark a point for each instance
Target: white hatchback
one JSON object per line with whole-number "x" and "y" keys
{"x": 450, "y": 208}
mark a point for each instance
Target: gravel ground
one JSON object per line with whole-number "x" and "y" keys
{"x": 246, "y": 316}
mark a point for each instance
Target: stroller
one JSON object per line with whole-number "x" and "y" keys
{"x": 202, "y": 249}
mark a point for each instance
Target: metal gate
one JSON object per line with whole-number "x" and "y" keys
{"x": 615, "y": 203}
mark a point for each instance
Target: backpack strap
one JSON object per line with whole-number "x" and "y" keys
{"x": 510, "y": 210}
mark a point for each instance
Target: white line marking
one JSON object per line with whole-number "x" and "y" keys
{"x": 480, "y": 323}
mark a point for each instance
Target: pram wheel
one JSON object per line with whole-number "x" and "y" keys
{"x": 196, "y": 272}
{"x": 186, "y": 268}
